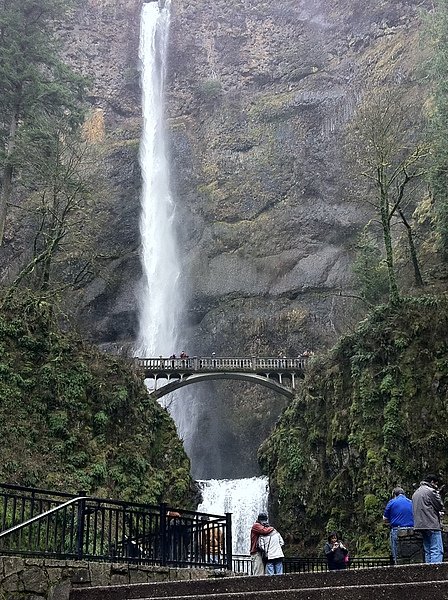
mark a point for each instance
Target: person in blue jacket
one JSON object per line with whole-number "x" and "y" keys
{"x": 397, "y": 514}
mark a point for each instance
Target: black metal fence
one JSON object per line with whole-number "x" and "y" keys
{"x": 39, "y": 522}
{"x": 242, "y": 564}
{"x": 44, "y": 523}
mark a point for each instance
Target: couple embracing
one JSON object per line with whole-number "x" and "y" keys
{"x": 266, "y": 548}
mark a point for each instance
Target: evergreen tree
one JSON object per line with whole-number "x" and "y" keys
{"x": 34, "y": 83}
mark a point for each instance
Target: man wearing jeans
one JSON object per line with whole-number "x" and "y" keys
{"x": 428, "y": 508}
{"x": 271, "y": 546}
{"x": 398, "y": 513}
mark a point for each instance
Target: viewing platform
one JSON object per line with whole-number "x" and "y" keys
{"x": 280, "y": 374}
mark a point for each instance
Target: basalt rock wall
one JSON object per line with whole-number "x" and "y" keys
{"x": 259, "y": 95}
{"x": 258, "y": 98}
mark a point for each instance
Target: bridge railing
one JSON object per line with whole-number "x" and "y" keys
{"x": 43, "y": 523}
{"x": 212, "y": 363}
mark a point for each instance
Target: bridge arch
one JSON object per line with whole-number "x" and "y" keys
{"x": 171, "y": 386}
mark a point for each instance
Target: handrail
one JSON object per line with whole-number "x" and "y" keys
{"x": 22, "y": 488}
{"x": 104, "y": 529}
{"x": 218, "y": 363}
{"x": 42, "y": 515}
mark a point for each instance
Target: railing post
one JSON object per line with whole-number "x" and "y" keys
{"x": 80, "y": 528}
{"x": 229, "y": 541}
{"x": 163, "y": 532}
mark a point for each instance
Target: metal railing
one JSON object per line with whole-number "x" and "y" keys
{"x": 201, "y": 364}
{"x": 43, "y": 523}
{"x": 242, "y": 564}
{"x": 39, "y": 522}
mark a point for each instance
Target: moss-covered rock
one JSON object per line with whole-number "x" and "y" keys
{"x": 371, "y": 415}
{"x": 74, "y": 418}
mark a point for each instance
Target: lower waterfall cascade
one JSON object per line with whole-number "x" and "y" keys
{"x": 244, "y": 498}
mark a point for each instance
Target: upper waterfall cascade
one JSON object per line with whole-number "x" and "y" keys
{"x": 160, "y": 293}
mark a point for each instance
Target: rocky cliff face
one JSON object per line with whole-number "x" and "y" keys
{"x": 258, "y": 97}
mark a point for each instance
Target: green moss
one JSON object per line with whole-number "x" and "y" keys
{"x": 272, "y": 107}
{"x": 371, "y": 414}
{"x": 74, "y": 418}
{"x": 209, "y": 89}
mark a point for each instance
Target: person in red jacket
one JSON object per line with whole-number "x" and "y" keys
{"x": 260, "y": 527}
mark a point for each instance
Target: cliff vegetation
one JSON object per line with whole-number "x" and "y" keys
{"x": 73, "y": 418}
{"x": 371, "y": 414}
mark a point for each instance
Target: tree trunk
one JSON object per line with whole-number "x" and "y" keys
{"x": 5, "y": 195}
{"x": 413, "y": 252}
{"x": 8, "y": 170}
{"x": 394, "y": 296}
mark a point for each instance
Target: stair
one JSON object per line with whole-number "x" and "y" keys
{"x": 412, "y": 582}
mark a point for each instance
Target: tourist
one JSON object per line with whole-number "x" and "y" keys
{"x": 271, "y": 549}
{"x": 179, "y": 535}
{"x": 428, "y": 508}
{"x": 336, "y": 553}
{"x": 398, "y": 513}
{"x": 212, "y": 541}
{"x": 257, "y": 530}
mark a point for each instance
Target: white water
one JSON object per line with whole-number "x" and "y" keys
{"x": 160, "y": 296}
{"x": 244, "y": 498}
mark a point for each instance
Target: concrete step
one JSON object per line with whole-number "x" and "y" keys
{"x": 436, "y": 590}
{"x": 226, "y": 586}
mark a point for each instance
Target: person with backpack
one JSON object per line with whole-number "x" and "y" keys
{"x": 271, "y": 549}
{"x": 428, "y": 508}
{"x": 397, "y": 514}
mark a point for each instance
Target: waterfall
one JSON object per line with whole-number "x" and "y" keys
{"x": 244, "y": 498}
{"x": 160, "y": 296}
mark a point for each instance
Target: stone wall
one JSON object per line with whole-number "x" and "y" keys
{"x": 45, "y": 579}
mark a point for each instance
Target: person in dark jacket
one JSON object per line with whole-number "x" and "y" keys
{"x": 336, "y": 553}
{"x": 428, "y": 507}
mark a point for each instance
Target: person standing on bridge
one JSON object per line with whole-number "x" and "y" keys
{"x": 257, "y": 530}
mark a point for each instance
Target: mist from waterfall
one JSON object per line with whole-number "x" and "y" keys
{"x": 244, "y": 498}
{"x": 160, "y": 296}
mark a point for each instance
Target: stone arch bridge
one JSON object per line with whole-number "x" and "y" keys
{"x": 279, "y": 374}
